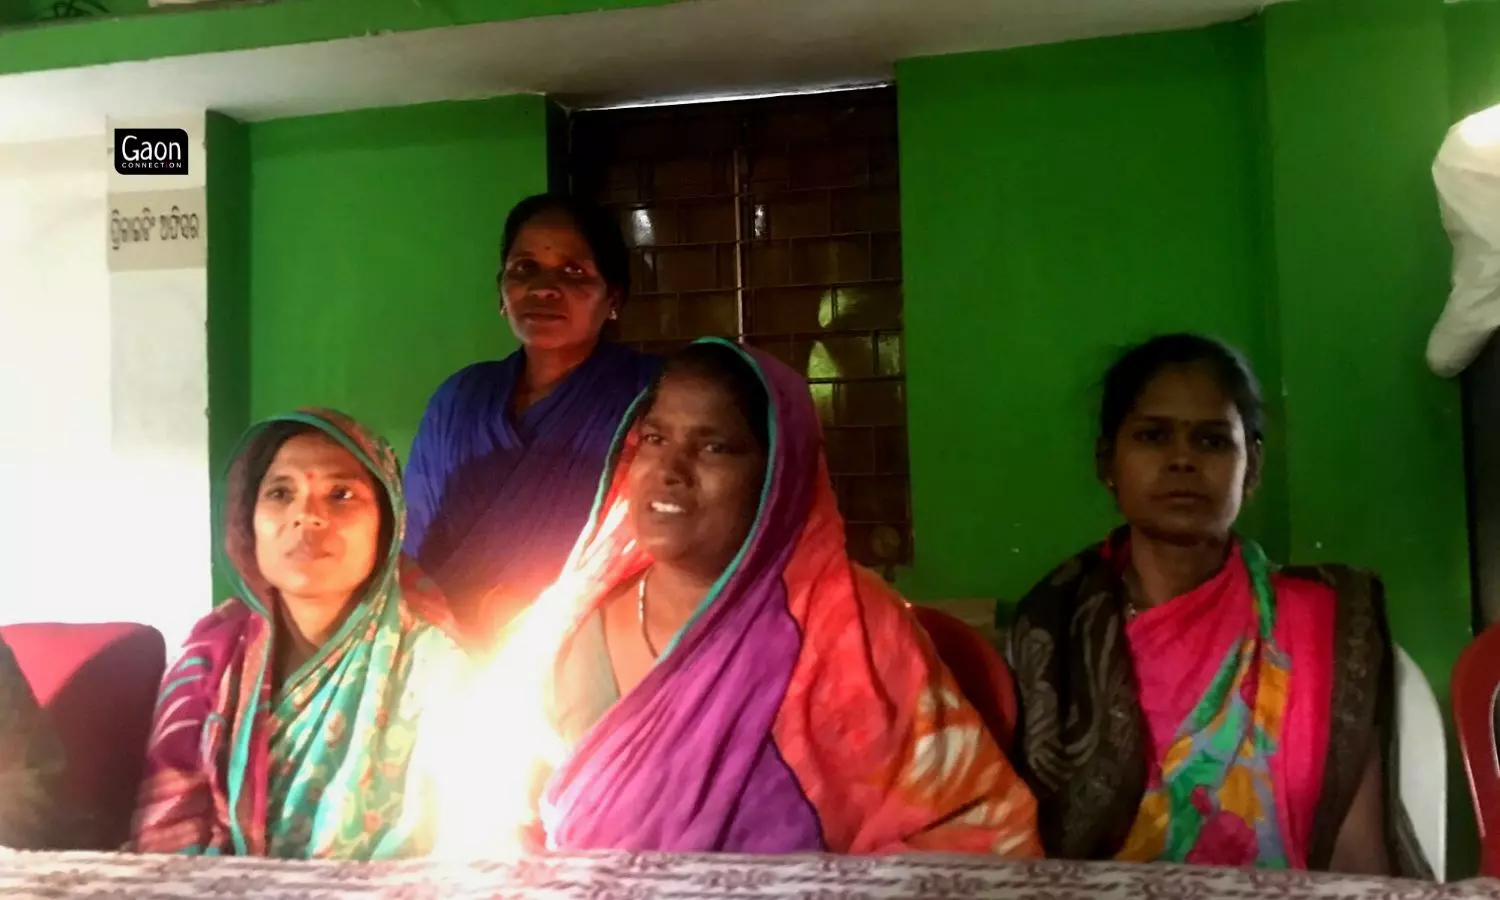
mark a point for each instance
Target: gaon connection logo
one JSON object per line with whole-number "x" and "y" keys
{"x": 151, "y": 151}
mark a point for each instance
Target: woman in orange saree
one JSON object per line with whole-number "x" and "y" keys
{"x": 730, "y": 680}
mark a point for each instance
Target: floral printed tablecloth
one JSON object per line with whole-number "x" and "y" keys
{"x": 643, "y": 877}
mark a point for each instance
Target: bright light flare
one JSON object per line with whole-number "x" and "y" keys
{"x": 493, "y": 742}
{"x": 1482, "y": 129}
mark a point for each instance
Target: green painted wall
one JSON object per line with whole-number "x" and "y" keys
{"x": 1362, "y": 269}
{"x": 1268, "y": 182}
{"x": 240, "y": 26}
{"x": 32, "y": 11}
{"x": 1059, "y": 203}
{"x": 1473, "y": 55}
{"x": 15, "y": 11}
{"x": 229, "y": 374}
{"x": 374, "y": 245}
{"x": 1376, "y": 464}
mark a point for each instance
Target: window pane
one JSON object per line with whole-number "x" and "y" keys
{"x": 777, "y": 221}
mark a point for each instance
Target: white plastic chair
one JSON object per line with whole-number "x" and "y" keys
{"x": 1423, "y": 775}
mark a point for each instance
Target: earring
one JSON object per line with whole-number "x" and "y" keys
{"x": 614, "y": 312}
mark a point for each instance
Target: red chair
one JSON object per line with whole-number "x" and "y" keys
{"x": 981, "y": 671}
{"x": 1476, "y": 679}
{"x": 98, "y": 684}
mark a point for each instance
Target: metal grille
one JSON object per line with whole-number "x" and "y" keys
{"x": 776, "y": 222}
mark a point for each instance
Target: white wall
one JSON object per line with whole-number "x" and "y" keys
{"x": 103, "y": 400}
{"x": 54, "y": 382}
{"x": 159, "y": 411}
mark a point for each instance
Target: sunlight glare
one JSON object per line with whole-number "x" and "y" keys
{"x": 488, "y": 784}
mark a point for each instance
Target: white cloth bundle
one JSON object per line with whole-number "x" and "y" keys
{"x": 1467, "y": 173}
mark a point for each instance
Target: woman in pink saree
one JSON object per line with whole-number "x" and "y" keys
{"x": 1183, "y": 699}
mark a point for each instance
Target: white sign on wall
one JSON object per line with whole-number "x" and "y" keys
{"x": 157, "y": 230}
{"x": 156, "y": 233}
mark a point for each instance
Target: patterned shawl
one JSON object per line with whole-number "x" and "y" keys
{"x": 327, "y": 765}
{"x": 498, "y": 500}
{"x": 1083, "y": 740}
{"x": 801, "y": 708}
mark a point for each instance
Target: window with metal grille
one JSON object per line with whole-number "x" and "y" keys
{"x": 777, "y": 222}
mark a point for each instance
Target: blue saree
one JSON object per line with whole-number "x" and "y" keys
{"x": 497, "y": 500}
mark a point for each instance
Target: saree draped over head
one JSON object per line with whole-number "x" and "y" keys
{"x": 1228, "y": 726}
{"x": 801, "y": 708}
{"x": 328, "y": 765}
{"x": 498, "y": 499}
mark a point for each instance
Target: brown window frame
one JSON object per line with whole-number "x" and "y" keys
{"x": 775, "y": 222}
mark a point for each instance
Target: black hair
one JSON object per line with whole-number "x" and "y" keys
{"x": 600, "y": 230}
{"x": 1127, "y": 379}
{"x": 262, "y": 452}
{"x": 725, "y": 366}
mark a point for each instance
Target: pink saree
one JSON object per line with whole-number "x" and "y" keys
{"x": 1232, "y": 725}
{"x": 1285, "y": 687}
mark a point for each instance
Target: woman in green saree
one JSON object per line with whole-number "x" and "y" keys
{"x": 289, "y": 726}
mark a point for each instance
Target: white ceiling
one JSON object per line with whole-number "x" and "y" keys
{"x": 679, "y": 50}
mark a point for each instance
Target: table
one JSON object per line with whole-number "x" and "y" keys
{"x": 647, "y": 877}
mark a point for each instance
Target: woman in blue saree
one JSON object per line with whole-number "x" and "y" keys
{"x": 506, "y": 460}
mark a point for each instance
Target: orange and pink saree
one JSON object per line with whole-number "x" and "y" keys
{"x": 801, "y": 709}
